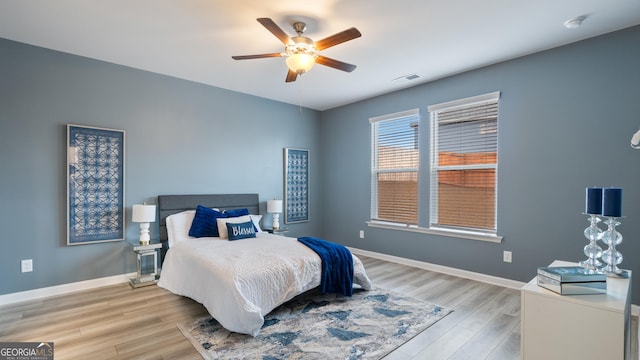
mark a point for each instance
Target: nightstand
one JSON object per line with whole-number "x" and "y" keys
{"x": 147, "y": 278}
{"x": 280, "y": 231}
{"x": 555, "y": 326}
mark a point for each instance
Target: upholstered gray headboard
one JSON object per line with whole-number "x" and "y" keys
{"x": 172, "y": 204}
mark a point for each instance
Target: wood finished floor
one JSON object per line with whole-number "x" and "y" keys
{"x": 118, "y": 322}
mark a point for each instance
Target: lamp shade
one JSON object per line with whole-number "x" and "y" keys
{"x": 300, "y": 63}
{"x": 144, "y": 213}
{"x": 274, "y": 206}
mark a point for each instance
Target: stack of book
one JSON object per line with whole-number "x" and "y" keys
{"x": 572, "y": 280}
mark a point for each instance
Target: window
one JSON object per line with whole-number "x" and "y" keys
{"x": 394, "y": 170}
{"x": 464, "y": 164}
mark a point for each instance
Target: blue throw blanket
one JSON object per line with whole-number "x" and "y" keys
{"x": 337, "y": 265}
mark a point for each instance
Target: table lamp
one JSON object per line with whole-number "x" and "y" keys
{"x": 275, "y": 207}
{"x": 144, "y": 214}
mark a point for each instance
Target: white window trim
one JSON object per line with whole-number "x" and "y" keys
{"x": 401, "y": 114}
{"x": 466, "y": 101}
{"x": 493, "y": 96}
{"x": 456, "y": 233}
{"x": 374, "y": 144}
{"x": 471, "y": 235}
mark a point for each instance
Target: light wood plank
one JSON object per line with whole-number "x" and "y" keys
{"x": 119, "y": 322}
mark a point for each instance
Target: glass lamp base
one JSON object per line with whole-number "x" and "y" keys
{"x": 592, "y": 250}
{"x": 611, "y": 256}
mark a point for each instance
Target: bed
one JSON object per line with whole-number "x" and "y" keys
{"x": 238, "y": 282}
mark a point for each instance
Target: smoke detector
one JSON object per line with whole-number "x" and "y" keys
{"x": 575, "y": 22}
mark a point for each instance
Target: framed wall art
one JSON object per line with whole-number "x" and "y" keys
{"x": 296, "y": 185}
{"x": 95, "y": 185}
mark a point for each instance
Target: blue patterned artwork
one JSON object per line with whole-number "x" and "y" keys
{"x": 296, "y": 185}
{"x": 95, "y": 185}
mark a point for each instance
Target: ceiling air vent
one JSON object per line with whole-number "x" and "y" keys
{"x": 407, "y": 77}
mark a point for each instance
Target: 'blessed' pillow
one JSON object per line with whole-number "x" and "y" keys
{"x": 222, "y": 224}
{"x": 204, "y": 222}
{"x": 241, "y": 230}
{"x": 231, "y": 213}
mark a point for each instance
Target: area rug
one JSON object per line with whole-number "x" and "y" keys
{"x": 368, "y": 325}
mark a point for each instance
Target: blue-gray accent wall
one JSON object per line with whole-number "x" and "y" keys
{"x": 181, "y": 137}
{"x": 566, "y": 117}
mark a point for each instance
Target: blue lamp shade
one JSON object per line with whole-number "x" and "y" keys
{"x": 593, "y": 201}
{"x": 612, "y": 202}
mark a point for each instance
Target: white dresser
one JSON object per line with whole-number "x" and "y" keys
{"x": 576, "y": 326}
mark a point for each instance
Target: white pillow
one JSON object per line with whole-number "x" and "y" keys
{"x": 178, "y": 226}
{"x": 256, "y": 222}
{"x": 222, "y": 224}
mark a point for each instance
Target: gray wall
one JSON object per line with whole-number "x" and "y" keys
{"x": 566, "y": 117}
{"x": 181, "y": 137}
{"x": 566, "y": 120}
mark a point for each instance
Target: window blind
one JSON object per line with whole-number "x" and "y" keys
{"x": 394, "y": 170}
{"x": 464, "y": 160}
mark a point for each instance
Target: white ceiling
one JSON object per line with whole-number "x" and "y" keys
{"x": 195, "y": 39}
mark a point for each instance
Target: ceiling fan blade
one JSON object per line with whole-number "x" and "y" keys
{"x": 336, "y": 64}
{"x": 274, "y": 29}
{"x": 291, "y": 76}
{"x": 257, "y": 56}
{"x": 338, "y": 38}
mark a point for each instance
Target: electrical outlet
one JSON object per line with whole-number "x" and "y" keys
{"x": 506, "y": 256}
{"x": 361, "y": 234}
{"x": 27, "y": 265}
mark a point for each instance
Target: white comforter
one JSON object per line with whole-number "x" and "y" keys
{"x": 239, "y": 282}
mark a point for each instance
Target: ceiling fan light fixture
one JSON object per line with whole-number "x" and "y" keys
{"x": 300, "y": 52}
{"x": 300, "y": 63}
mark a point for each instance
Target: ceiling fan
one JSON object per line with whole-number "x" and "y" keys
{"x": 302, "y": 52}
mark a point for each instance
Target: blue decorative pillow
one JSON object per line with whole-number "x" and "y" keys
{"x": 204, "y": 222}
{"x": 240, "y": 212}
{"x": 236, "y": 212}
{"x": 241, "y": 230}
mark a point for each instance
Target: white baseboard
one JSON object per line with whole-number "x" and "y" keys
{"x": 63, "y": 289}
{"x": 489, "y": 279}
{"x": 118, "y": 279}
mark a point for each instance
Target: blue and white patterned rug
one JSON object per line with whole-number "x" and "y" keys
{"x": 368, "y": 325}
